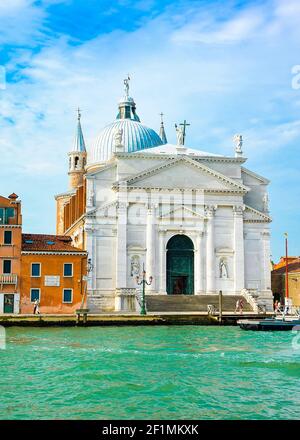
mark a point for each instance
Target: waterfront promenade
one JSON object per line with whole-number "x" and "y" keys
{"x": 106, "y": 319}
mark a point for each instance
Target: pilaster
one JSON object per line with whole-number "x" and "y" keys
{"x": 210, "y": 250}
{"x": 199, "y": 266}
{"x": 238, "y": 243}
{"x": 162, "y": 262}
{"x": 150, "y": 246}
{"x": 121, "y": 248}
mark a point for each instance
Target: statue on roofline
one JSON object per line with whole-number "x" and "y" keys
{"x": 180, "y": 135}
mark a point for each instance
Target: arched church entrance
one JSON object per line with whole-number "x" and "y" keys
{"x": 180, "y": 266}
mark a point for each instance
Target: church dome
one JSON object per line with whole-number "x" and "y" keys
{"x": 133, "y": 135}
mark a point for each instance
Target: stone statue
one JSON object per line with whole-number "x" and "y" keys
{"x": 238, "y": 140}
{"x": 126, "y": 84}
{"x": 90, "y": 198}
{"x": 266, "y": 202}
{"x": 118, "y": 138}
{"x": 180, "y": 135}
{"x": 135, "y": 266}
{"x": 223, "y": 269}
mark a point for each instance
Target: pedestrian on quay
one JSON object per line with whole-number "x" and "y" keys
{"x": 276, "y": 305}
{"x": 241, "y": 306}
{"x": 36, "y": 307}
{"x": 278, "y": 308}
{"x": 237, "y": 306}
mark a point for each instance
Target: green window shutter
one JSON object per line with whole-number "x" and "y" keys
{"x": 67, "y": 297}
{"x": 68, "y": 270}
{"x": 6, "y": 266}
{"x": 35, "y": 270}
{"x": 34, "y": 294}
{"x": 7, "y": 237}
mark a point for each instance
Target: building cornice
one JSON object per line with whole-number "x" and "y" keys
{"x": 255, "y": 175}
{"x": 192, "y": 188}
{"x": 93, "y": 169}
{"x": 10, "y": 226}
{"x": 263, "y": 218}
{"x": 129, "y": 156}
{"x": 80, "y": 219}
{"x": 66, "y": 194}
{"x": 80, "y": 253}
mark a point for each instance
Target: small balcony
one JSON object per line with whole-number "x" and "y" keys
{"x": 8, "y": 279}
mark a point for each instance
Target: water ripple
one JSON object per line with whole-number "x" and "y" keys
{"x": 149, "y": 372}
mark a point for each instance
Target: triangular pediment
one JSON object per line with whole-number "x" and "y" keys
{"x": 251, "y": 177}
{"x": 182, "y": 212}
{"x": 186, "y": 173}
{"x": 107, "y": 210}
{"x": 253, "y": 215}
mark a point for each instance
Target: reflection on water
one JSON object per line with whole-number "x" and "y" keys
{"x": 178, "y": 372}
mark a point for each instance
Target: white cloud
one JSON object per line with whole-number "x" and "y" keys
{"x": 243, "y": 26}
{"x": 182, "y": 70}
{"x": 20, "y": 22}
{"x": 9, "y": 7}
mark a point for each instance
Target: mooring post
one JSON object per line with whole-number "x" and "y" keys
{"x": 220, "y": 306}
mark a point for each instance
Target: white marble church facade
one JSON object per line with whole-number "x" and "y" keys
{"x": 196, "y": 221}
{"x": 142, "y": 192}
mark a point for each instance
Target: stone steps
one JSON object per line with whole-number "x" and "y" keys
{"x": 96, "y": 304}
{"x": 192, "y": 303}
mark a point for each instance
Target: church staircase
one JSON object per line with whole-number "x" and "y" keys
{"x": 192, "y": 303}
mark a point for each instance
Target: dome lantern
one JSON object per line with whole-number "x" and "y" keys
{"x": 127, "y": 107}
{"x": 135, "y": 136}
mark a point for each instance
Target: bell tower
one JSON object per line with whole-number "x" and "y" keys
{"x": 77, "y": 157}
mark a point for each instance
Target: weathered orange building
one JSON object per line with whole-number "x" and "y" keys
{"x": 282, "y": 262}
{"x": 10, "y": 253}
{"x": 52, "y": 271}
{"x": 278, "y": 277}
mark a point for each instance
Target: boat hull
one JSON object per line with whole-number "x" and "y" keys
{"x": 269, "y": 324}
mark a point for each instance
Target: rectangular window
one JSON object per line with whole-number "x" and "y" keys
{"x": 68, "y": 270}
{"x": 35, "y": 294}
{"x": 6, "y": 266}
{"x": 35, "y": 269}
{"x": 67, "y": 295}
{"x": 5, "y": 215}
{"x": 7, "y": 237}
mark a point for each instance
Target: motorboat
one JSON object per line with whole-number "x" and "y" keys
{"x": 282, "y": 322}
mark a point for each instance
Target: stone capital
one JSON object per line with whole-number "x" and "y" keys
{"x": 210, "y": 210}
{"x": 238, "y": 210}
{"x": 122, "y": 206}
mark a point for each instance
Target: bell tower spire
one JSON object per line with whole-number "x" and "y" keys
{"x": 162, "y": 133}
{"x": 77, "y": 156}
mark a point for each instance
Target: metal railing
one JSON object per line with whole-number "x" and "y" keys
{"x": 251, "y": 298}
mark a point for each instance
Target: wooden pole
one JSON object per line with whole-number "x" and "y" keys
{"x": 286, "y": 267}
{"x": 220, "y": 306}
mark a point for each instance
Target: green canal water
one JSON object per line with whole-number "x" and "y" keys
{"x": 172, "y": 372}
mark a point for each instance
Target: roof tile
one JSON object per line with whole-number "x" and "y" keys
{"x": 48, "y": 243}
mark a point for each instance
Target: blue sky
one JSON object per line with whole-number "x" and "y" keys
{"x": 225, "y": 66}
